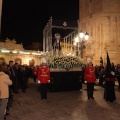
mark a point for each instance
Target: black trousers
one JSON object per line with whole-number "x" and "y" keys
{"x": 43, "y": 90}
{"x": 101, "y": 80}
{"x": 23, "y": 84}
{"x": 34, "y": 78}
{"x": 90, "y": 89}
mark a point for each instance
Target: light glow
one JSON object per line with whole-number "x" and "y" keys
{"x": 74, "y": 43}
{"x": 21, "y": 52}
{"x": 86, "y": 36}
{"x": 81, "y": 34}
{"x": 76, "y": 39}
{"x": 36, "y": 53}
{"x": 5, "y": 51}
{"x": 14, "y": 52}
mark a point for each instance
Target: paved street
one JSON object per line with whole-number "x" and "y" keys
{"x": 70, "y": 105}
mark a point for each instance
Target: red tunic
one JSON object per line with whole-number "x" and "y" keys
{"x": 89, "y": 74}
{"x": 43, "y": 74}
{"x": 110, "y": 79}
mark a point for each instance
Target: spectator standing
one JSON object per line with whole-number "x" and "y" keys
{"x": 16, "y": 82}
{"x": 97, "y": 71}
{"x": 35, "y": 72}
{"x": 9, "y": 103}
{"x": 101, "y": 76}
{"x": 12, "y": 76}
{"x": 101, "y": 60}
{"x": 23, "y": 79}
{"x": 4, "y": 91}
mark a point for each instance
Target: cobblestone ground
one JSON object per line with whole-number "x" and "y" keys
{"x": 70, "y": 105}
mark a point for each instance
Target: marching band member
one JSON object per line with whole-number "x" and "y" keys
{"x": 90, "y": 77}
{"x": 43, "y": 78}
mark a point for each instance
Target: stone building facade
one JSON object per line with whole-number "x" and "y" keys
{"x": 101, "y": 19}
{"x": 10, "y": 50}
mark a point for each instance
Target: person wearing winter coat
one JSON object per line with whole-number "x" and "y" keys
{"x": 4, "y": 90}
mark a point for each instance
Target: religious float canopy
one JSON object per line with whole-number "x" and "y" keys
{"x": 66, "y": 30}
{"x": 58, "y": 38}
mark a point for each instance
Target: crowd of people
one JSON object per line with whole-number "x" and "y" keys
{"x": 100, "y": 71}
{"x": 106, "y": 76}
{"x": 13, "y": 79}
{"x": 4, "y": 95}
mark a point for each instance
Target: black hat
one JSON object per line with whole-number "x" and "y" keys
{"x": 109, "y": 72}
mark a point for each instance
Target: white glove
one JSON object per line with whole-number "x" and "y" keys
{"x": 39, "y": 81}
{"x": 48, "y": 81}
{"x": 85, "y": 81}
{"x": 112, "y": 73}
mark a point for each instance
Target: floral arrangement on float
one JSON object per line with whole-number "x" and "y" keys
{"x": 65, "y": 63}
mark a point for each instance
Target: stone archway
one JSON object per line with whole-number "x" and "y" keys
{"x": 2, "y": 60}
{"x": 18, "y": 60}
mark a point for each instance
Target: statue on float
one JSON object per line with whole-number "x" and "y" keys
{"x": 56, "y": 45}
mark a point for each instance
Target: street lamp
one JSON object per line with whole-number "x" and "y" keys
{"x": 81, "y": 39}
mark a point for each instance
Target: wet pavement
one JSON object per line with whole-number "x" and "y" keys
{"x": 66, "y": 105}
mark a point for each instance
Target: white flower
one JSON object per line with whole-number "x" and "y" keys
{"x": 66, "y": 62}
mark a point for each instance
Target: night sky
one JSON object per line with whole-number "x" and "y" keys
{"x": 25, "y": 20}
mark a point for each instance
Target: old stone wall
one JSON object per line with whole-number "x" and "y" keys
{"x": 103, "y": 27}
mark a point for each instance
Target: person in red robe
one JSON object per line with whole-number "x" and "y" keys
{"x": 90, "y": 78}
{"x": 43, "y": 78}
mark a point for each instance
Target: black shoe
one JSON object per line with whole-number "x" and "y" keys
{"x": 7, "y": 113}
{"x": 92, "y": 98}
